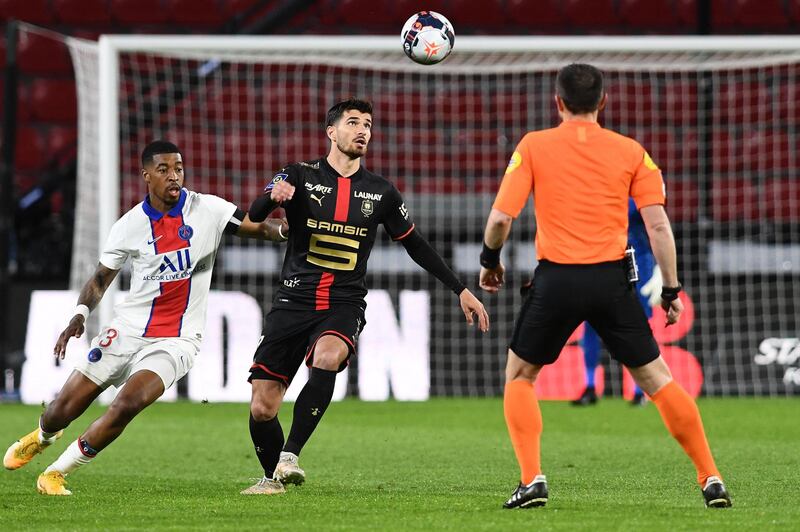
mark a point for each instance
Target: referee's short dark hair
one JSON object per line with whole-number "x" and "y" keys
{"x": 157, "y": 147}
{"x": 580, "y": 87}
{"x": 351, "y": 104}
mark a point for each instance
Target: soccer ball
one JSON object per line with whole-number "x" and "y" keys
{"x": 427, "y": 37}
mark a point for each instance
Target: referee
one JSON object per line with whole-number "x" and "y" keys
{"x": 581, "y": 177}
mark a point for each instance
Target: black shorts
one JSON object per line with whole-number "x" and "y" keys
{"x": 289, "y": 337}
{"x": 565, "y": 295}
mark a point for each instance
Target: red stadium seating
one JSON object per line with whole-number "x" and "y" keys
{"x": 743, "y": 102}
{"x": 546, "y": 14}
{"x": 722, "y": 19}
{"x": 62, "y": 141}
{"x": 649, "y": 14}
{"x": 686, "y": 11}
{"x": 752, "y": 150}
{"x": 136, "y": 12}
{"x": 479, "y": 15}
{"x": 764, "y": 15}
{"x": 200, "y": 150}
{"x": 33, "y": 11}
{"x": 82, "y": 12}
{"x": 678, "y": 103}
{"x": 54, "y": 100}
{"x": 683, "y": 199}
{"x": 358, "y": 13}
{"x": 42, "y": 55}
{"x": 734, "y": 199}
{"x": 629, "y": 101}
{"x": 30, "y": 154}
{"x": 237, "y": 7}
{"x": 782, "y": 200}
{"x": 592, "y": 15}
{"x": 405, "y": 8}
{"x": 200, "y": 14}
{"x": 291, "y": 102}
{"x": 23, "y": 101}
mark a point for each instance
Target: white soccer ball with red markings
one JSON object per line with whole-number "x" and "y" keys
{"x": 428, "y": 37}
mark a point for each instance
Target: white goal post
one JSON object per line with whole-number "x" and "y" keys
{"x": 717, "y": 113}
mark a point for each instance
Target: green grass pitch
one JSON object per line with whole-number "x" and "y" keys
{"x": 445, "y": 464}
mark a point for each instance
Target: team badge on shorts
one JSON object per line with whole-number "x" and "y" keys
{"x": 95, "y": 355}
{"x": 185, "y": 232}
{"x": 367, "y": 207}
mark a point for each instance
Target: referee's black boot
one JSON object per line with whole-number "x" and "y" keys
{"x": 588, "y": 397}
{"x": 715, "y": 494}
{"x": 534, "y": 494}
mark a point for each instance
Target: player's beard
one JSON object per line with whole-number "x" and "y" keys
{"x": 353, "y": 150}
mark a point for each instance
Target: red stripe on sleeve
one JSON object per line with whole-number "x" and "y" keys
{"x": 166, "y": 315}
{"x": 324, "y": 291}
{"x": 342, "y": 200}
{"x": 401, "y": 237}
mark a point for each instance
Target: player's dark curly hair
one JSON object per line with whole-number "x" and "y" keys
{"x": 352, "y": 104}
{"x": 580, "y": 86}
{"x": 157, "y": 147}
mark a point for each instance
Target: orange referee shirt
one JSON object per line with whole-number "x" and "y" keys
{"x": 581, "y": 177}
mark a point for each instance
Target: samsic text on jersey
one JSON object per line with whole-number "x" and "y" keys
{"x": 334, "y": 222}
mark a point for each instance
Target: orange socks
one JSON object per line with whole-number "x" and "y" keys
{"x": 524, "y": 421}
{"x": 682, "y": 418}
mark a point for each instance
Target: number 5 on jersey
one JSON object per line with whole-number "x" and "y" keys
{"x": 317, "y": 250}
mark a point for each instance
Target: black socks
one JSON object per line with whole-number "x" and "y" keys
{"x": 267, "y": 439}
{"x": 309, "y": 408}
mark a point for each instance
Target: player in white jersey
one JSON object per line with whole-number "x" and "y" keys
{"x": 171, "y": 240}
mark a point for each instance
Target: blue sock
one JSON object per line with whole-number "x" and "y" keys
{"x": 591, "y": 353}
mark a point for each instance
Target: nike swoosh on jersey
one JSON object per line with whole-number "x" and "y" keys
{"x": 156, "y": 239}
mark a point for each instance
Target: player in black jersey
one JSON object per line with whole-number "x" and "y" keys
{"x": 334, "y": 207}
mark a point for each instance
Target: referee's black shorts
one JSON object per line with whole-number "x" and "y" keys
{"x": 565, "y": 295}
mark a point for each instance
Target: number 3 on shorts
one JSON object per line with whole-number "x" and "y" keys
{"x": 110, "y": 335}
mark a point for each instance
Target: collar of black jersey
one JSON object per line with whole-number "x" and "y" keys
{"x": 325, "y": 164}
{"x": 156, "y": 215}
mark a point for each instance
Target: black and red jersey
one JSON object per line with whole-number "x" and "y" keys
{"x": 333, "y": 224}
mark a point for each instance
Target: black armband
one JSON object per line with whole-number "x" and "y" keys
{"x": 490, "y": 258}
{"x": 670, "y": 293}
{"x": 261, "y": 207}
{"x": 423, "y": 254}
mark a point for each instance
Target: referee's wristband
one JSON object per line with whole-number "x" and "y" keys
{"x": 670, "y": 293}
{"x": 81, "y": 310}
{"x": 490, "y": 258}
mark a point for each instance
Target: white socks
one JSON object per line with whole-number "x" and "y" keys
{"x": 46, "y": 438}
{"x": 70, "y": 460}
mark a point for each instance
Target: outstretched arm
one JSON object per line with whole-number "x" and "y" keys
{"x": 275, "y": 229}
{"x": 423, "y": 254}
{"x": 498, "y": 226}
{"x": 91, "y": 294}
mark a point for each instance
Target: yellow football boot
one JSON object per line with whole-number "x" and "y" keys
{"x": 52, "y": 483}
{"x": 26, "y": 448}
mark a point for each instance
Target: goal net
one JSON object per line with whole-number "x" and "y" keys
{"x": 720, "y": 116}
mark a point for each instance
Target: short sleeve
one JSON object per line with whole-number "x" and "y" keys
{"x": 222, "y": 211}
{"x": 116, "y": 250}
{"x": 647, "y": 186}
{"x": 397, "y": 220}
{"x": 517, "y": 184}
